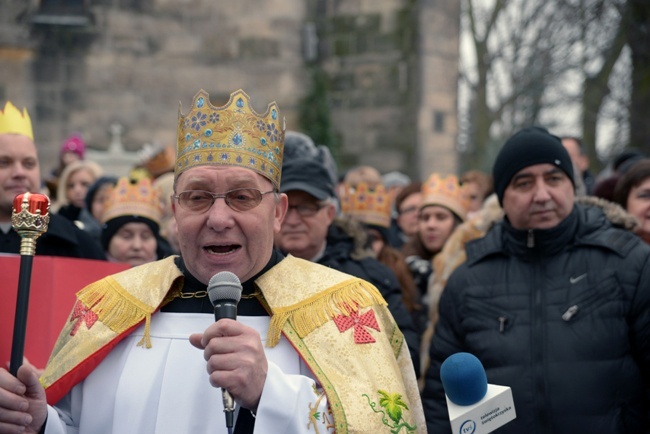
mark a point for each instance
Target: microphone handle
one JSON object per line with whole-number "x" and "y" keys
{"x": 226, "y": 309}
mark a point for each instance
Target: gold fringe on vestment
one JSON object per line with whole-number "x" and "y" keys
{"x": 311, "y": 313}
{"x": 117, "y": 308}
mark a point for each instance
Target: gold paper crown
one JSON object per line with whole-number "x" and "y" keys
{"x": 447, "y": 192}
{"x": 369, "y": 205}
{"x": 14, "y": 122}
{"x": 162, "y": 162}
{"x": 232, "y": 135}
{"x": 133, "y": 199}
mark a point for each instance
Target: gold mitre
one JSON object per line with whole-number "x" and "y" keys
{"x": 12, "y": 121}
{"x": 232, "y": 135}
{"x": 447, "y": 192}
{"x": 130, "y": 198}
{"x": 367, "y": 204}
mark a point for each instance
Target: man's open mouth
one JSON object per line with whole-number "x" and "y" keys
{"x": 221, "y": 250}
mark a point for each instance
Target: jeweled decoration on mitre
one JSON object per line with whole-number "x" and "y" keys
{"x": 446, "y": 191}
{"x": 12, "y": 121}
{"x": 367, "y": 204}
{"x": 232, "y": 135}
{"x": 130, "y": 198}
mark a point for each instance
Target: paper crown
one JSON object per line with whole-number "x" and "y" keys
{"x": 232, "y": 135}
{"x": 14, "y": 122}
{"x": 447, "y": 192}
{"x": 157, "y": 159}
{"x": 133, "y": 199}
{"x": 369, "y": 205}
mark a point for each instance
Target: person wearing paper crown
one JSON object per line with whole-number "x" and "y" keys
{"x": 312, "y": 350}
{"x": 444, "y": 206}
{"x": 372, "y": 207}
{"x": 20, "y": 173}
{"x": 131, "y": 223}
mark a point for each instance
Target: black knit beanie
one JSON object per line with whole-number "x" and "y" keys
{"x": 530, "y": 146}
{"x": 110, "y": 228}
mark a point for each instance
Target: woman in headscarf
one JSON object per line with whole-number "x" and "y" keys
{"x": 131, "y": 223}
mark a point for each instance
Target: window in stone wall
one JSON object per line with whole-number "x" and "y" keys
{"x": 73, "y": 13}
{"x": 48, "y": 103}
{"x": 343, "y": 81}
{"x": 358, "y": 34}
{"x": 438, "y": 121}
{"x": 62, "y": 6}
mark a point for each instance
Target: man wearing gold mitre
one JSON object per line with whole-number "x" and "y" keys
{"x": 313, "y": 350}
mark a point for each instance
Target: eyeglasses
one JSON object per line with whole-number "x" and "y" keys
{"x": 239, "y": 199}
{"x": 306, "y": 209}
{"x": 409, "y": 210}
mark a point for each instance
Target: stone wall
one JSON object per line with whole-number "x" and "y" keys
{"x": 134, "y": 65}
{"x": 136, "y": 60}
{"x": 371, "y": 58}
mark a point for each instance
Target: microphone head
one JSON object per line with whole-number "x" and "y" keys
{"x": 463, "y": 378}
{"x": 224, "y": 286}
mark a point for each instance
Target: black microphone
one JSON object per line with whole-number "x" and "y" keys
{"x": 224, "y": 290}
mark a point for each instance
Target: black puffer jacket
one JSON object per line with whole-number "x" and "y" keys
{"x": 562, "y": 316}
{"x": 344, "y": 253}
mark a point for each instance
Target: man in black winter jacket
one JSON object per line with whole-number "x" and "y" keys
{"x": 554, "y": 301}
{"x": 310, "y": 231}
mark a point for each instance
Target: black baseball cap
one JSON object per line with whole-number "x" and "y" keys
{"x": 308, "y": 175}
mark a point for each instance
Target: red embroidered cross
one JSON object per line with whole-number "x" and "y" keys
{"x": 82, "y": 314}
{"x": 361, "y": 335}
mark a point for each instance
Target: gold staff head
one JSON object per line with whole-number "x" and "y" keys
{"x": 30, "y": 217}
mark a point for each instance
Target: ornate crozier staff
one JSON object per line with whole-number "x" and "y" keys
{"x": 29, "y": 217}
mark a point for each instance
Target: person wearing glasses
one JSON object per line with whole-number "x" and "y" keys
{"x": 407, "y": 205}
{"x": 312, "y": 230}
{"x": 312, "y": 349}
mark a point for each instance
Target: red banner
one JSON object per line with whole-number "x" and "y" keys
{"x": 54, "y": 283}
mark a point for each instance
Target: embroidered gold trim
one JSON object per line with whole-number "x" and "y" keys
{"x": 116, "y": 308}
{"x": 313, "y": 312}
{"x": 335, "y": 403}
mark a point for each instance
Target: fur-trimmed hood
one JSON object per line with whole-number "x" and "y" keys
{"x": 347, "y": 230}
{"x": 613, "y": 211}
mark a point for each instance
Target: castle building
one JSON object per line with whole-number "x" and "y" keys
{"x": 390, "y": 70}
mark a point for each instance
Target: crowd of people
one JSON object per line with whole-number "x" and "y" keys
{"x": 357, "y": 285}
